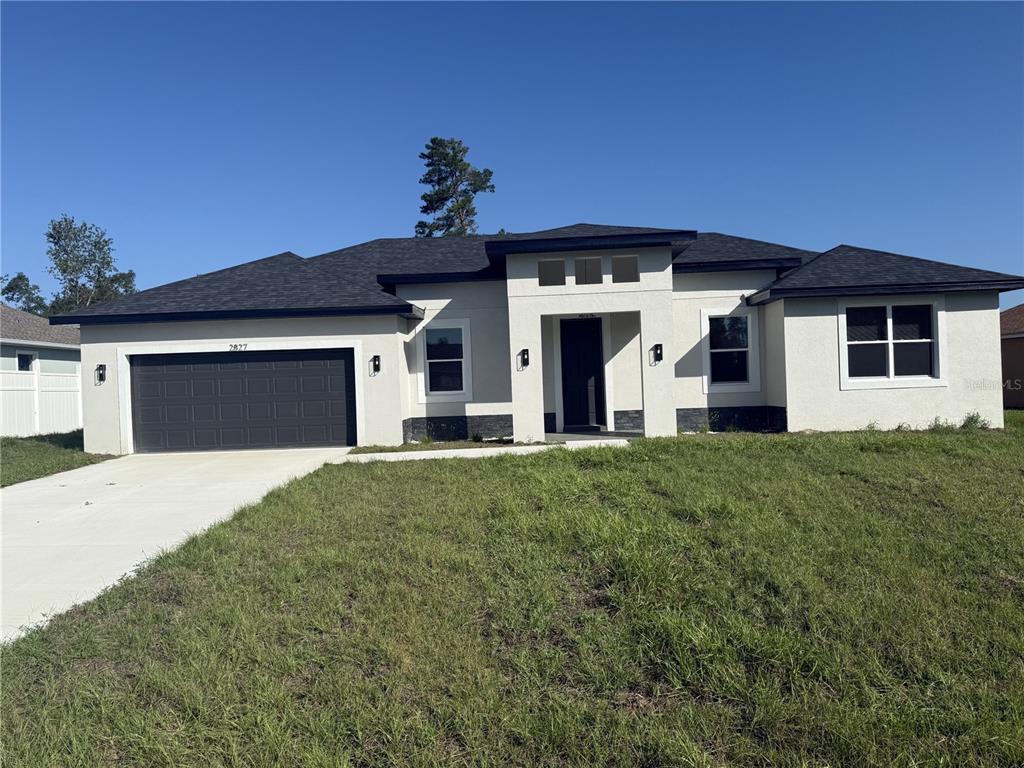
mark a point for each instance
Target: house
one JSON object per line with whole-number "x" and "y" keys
{"x": 584, "y": 327}
{"x": 40, "y": 381}
{"x": 1011, "y": 325}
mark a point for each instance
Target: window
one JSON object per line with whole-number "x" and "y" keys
{"x": 728, "y": 344}
{"x": 890, "y": 341}
{"x": 588, "y": 270}
{"x": 551, "y": 272}
{"x": 444, "y": 360}
{"x": 26, "y": 362}
{"x": 625, "y": 269}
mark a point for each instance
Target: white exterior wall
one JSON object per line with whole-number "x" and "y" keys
{"x": 529, "y": 302}
{"x": 970, "y": 369}
{"x": 107, "y": 406}
{"x": 485, "y": 307}
{"x": 717, "y": 293}
{"x": 45, "y": 400}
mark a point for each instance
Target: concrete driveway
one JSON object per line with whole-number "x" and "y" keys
{"x": 65, "y": 538}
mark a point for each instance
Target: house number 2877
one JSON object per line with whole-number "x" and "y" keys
{"x": 237, "y": 347}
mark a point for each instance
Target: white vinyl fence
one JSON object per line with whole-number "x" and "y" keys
{"x": 37, "y": 403}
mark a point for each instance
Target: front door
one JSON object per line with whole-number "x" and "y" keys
{"x": 582, "y": 374}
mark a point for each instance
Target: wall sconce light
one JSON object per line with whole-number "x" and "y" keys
{"x": 524, "y": 357}
{"x": 101, "y": 373}
{"x": 658, "y": 353}
{"x": 375, "y": 363}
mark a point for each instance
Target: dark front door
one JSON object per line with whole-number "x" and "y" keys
{"x": 233, "y": 400}
{"x": 582, "y": 374}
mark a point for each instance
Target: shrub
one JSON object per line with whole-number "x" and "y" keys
{"x": 973, "y": 421}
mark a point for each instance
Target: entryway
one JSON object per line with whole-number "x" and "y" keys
{"x": 583, "y": 386}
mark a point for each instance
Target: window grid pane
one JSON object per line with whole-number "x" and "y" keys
{"x": 913, "y": 359}
{"x": 625, "y": 269}
{"x": 868, "y": 360}
{"x": 728, "y": 367}
{"x": 551, "y": 272}
{"x": 912, "y": 322}
{"x": 588, "y": 271}
{"x": 866, "y": 324}
{"x": 444, "y": 344}
{"x": 727, "y": 332}
{"x": 444, "y": 376}
{"x": 25, "y": 363}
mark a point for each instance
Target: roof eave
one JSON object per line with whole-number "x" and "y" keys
{"x": 770, "y": 294}
{"x": 733, "y": 265}
{"x": 413, "y": 278}
{"x": 46, "y": 344}
{"x": 406, "y": 310}
{"x": 497, "y": 250}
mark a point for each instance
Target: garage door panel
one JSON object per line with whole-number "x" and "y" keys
{"x": 207, "y": 401}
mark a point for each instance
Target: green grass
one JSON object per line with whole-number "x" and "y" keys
{"x": 802, "y": 600}
{"x": 26, "y": 458}
{"x": 439, "y": 445}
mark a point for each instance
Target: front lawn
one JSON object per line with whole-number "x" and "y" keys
{"x": 711, "y": 600}
{"x": 26, "y": 458}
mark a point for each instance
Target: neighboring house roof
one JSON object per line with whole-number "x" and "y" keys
{"x": 1011, "y": 322}
{"x": 360, "y": 279}
{"x": 850, "y": 271}
{"x": 16, "y": 325}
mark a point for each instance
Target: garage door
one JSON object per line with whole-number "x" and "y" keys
{"x": 235, "y": 400}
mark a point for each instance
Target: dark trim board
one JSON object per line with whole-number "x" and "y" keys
{"x": 735, "y": 265}
{"x": 488, "y": 427}
{"x": 774, "y": 294}
{"x": 748, "y": 418}
{"x": 409, "y": 311}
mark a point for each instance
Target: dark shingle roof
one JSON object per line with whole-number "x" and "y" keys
{"x": 285, "y": 283}
{"x": 16, "y": 325}
{"x": 447, "y": 255}
{"x": 712, "y": 248}
{"x": 354, "y": 280}
{"x": 1011, "y": 322}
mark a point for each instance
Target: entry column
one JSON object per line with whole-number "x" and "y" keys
{"x": 527, "y": 375}
{"x": 658, "y": 376}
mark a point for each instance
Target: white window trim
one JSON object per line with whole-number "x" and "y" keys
{"x": 466, "y": 394}
{"x": 938, "y": 303}
{"x": 753, "y": 383}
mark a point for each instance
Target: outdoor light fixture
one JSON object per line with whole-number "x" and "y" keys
{"x": 375, "y": 363}
{"x": 658, "y": 354}
{"x": 524, "y": 357}
{"x": 101, "y": 373}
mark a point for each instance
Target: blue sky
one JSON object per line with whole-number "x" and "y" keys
{"x": 204, "y": 135}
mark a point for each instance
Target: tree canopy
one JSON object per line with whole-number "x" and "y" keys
{"x": 454, "y": 184}
{"x": 82, "y": 261}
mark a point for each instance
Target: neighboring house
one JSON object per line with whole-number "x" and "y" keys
{"x": 1011, "y": 324}
{"x": 40, "y": 382}
{"x": 623, "y": 329}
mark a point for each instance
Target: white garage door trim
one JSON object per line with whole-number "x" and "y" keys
{"x": 124, "y": 379}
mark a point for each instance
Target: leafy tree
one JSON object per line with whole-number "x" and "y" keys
{"x": 82, "y": 261}
{"x": 22, "y": 293}
{"x": 454, "y": 184}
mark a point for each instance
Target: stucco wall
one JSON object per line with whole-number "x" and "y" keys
{"x": 107, "y": 406}
{"x": 714, "y": 292}
{"x": 485, "y": 306}
{"x": 650, "y": 298}
{"x": 970, "y": 369}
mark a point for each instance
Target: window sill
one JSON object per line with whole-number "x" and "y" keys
{"x": 446, "y": 397}
{"x": 910, "y": 382}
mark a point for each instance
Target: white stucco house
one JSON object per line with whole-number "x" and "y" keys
{"x": 584, "y": 327}
{"x": 40, "y": 378}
